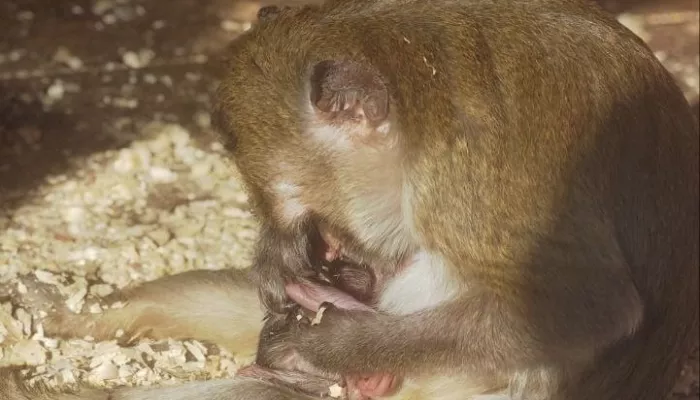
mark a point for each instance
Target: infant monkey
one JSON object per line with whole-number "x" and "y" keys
{"x": 216, "y": 306}
{"x": 339, "y": 283}
{"x": 280, "y": 364}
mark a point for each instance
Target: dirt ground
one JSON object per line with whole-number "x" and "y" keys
{"x": 108, "y": 172}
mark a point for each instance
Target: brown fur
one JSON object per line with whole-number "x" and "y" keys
{"x": 537, "y": 150}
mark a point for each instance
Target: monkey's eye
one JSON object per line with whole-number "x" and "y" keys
{"x": 268, "y": 13}
{"x": 224, "y": 128}
{"x": 229, "y": 142}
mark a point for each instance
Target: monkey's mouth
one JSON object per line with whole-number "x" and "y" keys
{"x": 336, "y": 268}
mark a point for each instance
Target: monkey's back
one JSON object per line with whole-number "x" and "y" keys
{"x": 611, "y": 131}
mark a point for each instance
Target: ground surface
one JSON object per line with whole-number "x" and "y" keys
{"x": 107, "y": 170}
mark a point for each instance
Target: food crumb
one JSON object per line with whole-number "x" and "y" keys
{"x": 319, "y": 316}
{"x": 336, "y": 391}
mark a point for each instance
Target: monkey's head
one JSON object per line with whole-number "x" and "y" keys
{"x": 308, "y": 118}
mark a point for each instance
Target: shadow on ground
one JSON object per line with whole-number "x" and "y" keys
{"x": 78, "y": 77}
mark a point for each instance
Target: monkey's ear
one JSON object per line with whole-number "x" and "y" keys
{"x": 347, "y": 91}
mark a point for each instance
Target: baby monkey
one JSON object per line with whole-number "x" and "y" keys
{"x": 280, "y": 364}
{"x": 338, "y": 283}
{"x": 215, "y": 306}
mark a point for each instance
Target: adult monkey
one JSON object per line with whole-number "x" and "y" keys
{"x": 523, "y": 174}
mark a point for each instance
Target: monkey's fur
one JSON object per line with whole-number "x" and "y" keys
{"x": 533, "y": 155}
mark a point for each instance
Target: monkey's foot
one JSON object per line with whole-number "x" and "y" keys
{"x": 370, "y": 386}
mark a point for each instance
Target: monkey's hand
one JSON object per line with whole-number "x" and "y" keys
{"x": 270, "y": 285}
{"x": 280, "y": 258}
{"x": 324, "y": 300}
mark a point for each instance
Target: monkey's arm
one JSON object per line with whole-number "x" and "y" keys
{"x": 567, "y": 321}
{"x": 216, "y": 306}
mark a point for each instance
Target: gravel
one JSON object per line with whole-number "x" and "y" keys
{"x": 123, "y": 216}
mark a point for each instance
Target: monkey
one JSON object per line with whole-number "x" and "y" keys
{"x": 524, "y": 174}
{"x": 178, "y": 303}
{"x": 174, "y": 307}
{"x": 520, "y": 176}
{"x": 215, "y": 306}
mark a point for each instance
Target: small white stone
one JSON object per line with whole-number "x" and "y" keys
{"x": 336, "y": 391}
{"x": 95, "y": 309}
{"x": 56, "y": 90}
{"x": 47, "y": 277}
{"x": 231, "y": 26}
{"x": 131, "y": 60}
{"x": 31, "y": 351}
{"x": 162, "y": 175}
{"x": 101, "y": 290}
{"x": 76, "y": 300}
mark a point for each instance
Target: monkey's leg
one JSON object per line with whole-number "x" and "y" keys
{"x": 220, "y": 307}
{"x": 237, "y": 388}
